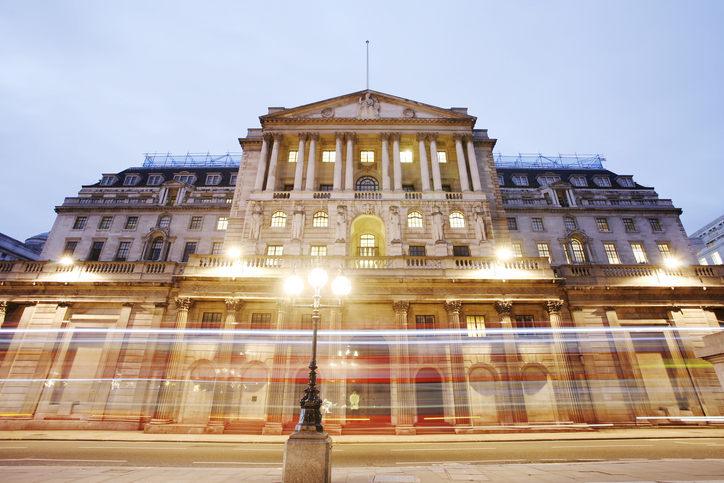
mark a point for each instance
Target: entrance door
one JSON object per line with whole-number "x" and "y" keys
{"x": 428, "y": 388}
{"x": 368, "y": 378}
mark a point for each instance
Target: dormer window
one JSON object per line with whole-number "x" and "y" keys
{"x": 131, "y": 180}
{"x": 108, "y": 180}
{"x": 547, "y": 179}
{"x": 602, "y": 181}
{"x": 154, "y": 179}
{"x": 213, "y": 179}
{"x": 579, "y": 180}
{"x": 626, "y": 182}
{"x": 185, "y": 178}
{"x": 501, "y": 181}
{"x": 520, "y": 180}
{"x": 232, "y": 179}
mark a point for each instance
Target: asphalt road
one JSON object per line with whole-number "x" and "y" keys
{"x": 155, "y": 454}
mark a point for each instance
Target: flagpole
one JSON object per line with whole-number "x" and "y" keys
{"x": 368, "y": 65}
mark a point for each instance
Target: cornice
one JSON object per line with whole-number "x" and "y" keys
{"x": 396, "y": 121}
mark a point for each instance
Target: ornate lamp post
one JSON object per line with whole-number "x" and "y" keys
{"x": 308, "y": 451}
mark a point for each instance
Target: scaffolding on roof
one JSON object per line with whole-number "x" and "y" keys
{"x": 168, "y": 160}
{"x": 562, "y": 161}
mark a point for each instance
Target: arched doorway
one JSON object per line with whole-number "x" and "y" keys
{"x": 538, "y": 394}
{"x": 484, "y": 381}
{"x": 367, "y": 236}
{"x": 368, "y": 397}
{"x": 428, "y": 390}
{"x": 199, "y": 393}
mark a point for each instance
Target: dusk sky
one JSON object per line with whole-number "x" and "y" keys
{"x": 88, "y": 87}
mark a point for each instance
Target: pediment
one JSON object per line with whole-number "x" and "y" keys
{"x": 366, "y": 105}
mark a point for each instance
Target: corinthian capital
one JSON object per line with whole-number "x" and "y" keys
{"x": 503, "y": 307}
{"x": 385, "y": 136}
{"x": 453, "y": 306}
{"x": 554, "y": 306}
{"x": 182, "y": 303}
{"x": 233, "y": 304}
{"x": 400, "y": 307}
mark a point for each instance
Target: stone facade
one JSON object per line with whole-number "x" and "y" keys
{"x": 169, "y": 313}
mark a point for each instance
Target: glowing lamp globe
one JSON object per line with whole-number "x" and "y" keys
{"x": 317, "y": 278}
{"x": 341, "y": 286}
{"x": 293, "y": 285}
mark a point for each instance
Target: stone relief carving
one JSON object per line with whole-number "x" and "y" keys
{"x": 394, "y": 225}
{"x": 409, "y": 113}
{"x": 369, "y": 107}
{"x": 298, "y": 223}
{"x": 256, "y": 219}
{"x": 341, "y": 234}
{"x": 328, "y": 112}
{"x": 480, "y": 229}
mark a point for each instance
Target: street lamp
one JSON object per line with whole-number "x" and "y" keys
{"x": 308, "y": 451}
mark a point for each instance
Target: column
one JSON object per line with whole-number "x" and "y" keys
{"x": 513, "y": 401}
{"x": 275, "y": 397}
{"x": 335, "y": 387}
{"x": 385, "y": 137}
{"x": 457, "y": 364}
{"x": 222, "y": 390}
{"x": 299, "y": 171}
{"x": 261, "y": 169}
{"x": 339, "y": 138}
{"x": 462, "y": 169}
{"x": 396, "y": 160}
{"x": 3, "y": 309}
{"x": 424, "y": 170}
{"x": 564, "y": 371}
{"x": 405, "y": 400}
{"x": 436, "y": 178}
{"x": 311, "y": 164}
{"x": 473, "y": 164}
{"x": 349, "y": 168}
{"x": 167, "y": 410}
{"x": 271, "y": 180}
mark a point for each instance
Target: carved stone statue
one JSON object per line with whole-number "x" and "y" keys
{"x": 480, "y": 229}
{"x": 368, "y": 106}
{"x": 298, "y": 223}
{"x": 256, "y": 218}
{"x": 341, "y": 234}
{"x": 437, "y": 224}
{"x": 394, "y": 224}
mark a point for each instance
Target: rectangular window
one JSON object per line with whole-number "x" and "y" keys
{"x": 512, "y": 224}
{"x": 213, "y": 179}
{"x": 476, "y": 325}
{"x": 461, "y": 251}
{"x": 446, "y": 188}
{"x": 95, "y": 253}
{"x": 326, "y": 187}
{"x": 602, "y": 182}
{"x": 527, "y": 323}
{"x": 318, "y": 251}
{"x": 367, "y": 156}
{"x": 501, "y": 180}
{"x": 108, "y": 180}
{"x": 80, "y": 222}
{"x": 232, "y": 179}
{"x": 716, "y": 258}
{"x": 611, "y": 253}
{"x": 517, "y": 250}
{"x": 409, "y": 188}
{"x": 217, "y": 248}
{"x": 520, "y": 180}
{"x": 602, "y": 224}
{"x": 210, "y": 320}
{"x": 293, "y": 156}
{"x": 222, "y": 223}
{"x": 328, "y": 156}
{"x": 131, "y": 180}
{"x": 665, "y": 251}
{"x": 105, "y": 223}
{"x": 417, "y": 250}
{"x": 626, "y": 182}
{"x": 406, "y": 156}
{"x": 702, "y": 261}
{"x": 131, "y": 222}
{"x": 122, "y": 253}
{"x": 537, "y": 224}
{"x": 442, "y": 157}
{"x": 154, "y": 179}
{"x": 655, "y": 225}
{"x": 307, "y": 322}
{"x": 544, "y": 251}
{"x": 639, "y": 253}
{"x": 189, "y": 250}
{"x": 274, "y": 250}
{"x": 579, "y": 181}
{"x": 195, "y": 223}
{"x": 424, "y": 322}
{"x": 70, "y": 248}
{"x": 261, "y": 321}
{"x": 628, "y": 224}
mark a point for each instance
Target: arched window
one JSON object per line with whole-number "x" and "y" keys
{"x": 367, "y": 246}
{"x": 321, "y": 219}
{"x": 570, "y": 223}
{"x": 414, "y": 219}
{"x": 579, "y": 254}
{"x": 156, "y": 248}
{"x": 457, "y": 220}
{"x": 279, "y": 219}
{"x": 164, "y": 221}
{"x": 367, "y": 183}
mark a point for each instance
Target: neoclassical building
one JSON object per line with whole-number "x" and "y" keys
{"x": 488, "y": 293}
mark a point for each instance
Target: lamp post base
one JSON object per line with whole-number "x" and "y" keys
{"x": 307, "y": 458}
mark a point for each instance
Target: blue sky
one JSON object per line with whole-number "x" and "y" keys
{"x": 88, "y": 87}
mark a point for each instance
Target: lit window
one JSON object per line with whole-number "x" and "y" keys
{"x": 537, "y": 224}
{"x": 367, "y": 156}
{"x": 665, "y": 251}
{"x": 122, "y": 252}
{"x": 406, "y": 156}
{"x": 655, "y": 225}
{"x": 321, "y": 219}
{"x": 211, "y": 320}
{"x": 517, "y": 250}
{"x": 626, "y": 182}
{"x": 602, "y": 224}
{"x": 274, "y": 250}
{"x": 367, "y": 246}
{"x": 328, "y": 156}
{"x": 213, "y": 179}
{"x": 105, "y": 223}
{"x": 457, "y": 220}
{"x": 222, "y": 223}
{"x": 461, "y": 251}
{"x": 279, "y": 219}
{"x": 156, "y": 247}
{"x": 442, "y": 157}
{"x": 154, "y": 179}
{"x": 476, "y": 325}
{"x": 424, "y": 322}
{"x": 164, "y": 221}
{"x": 414, "y": 219}
{"x": 544, "y": 251}
{"x": 569, "y": 222}
{"x": 95, "y": 253}
{"x": 108, "y": 180}
{"x": 79, "y": 223}
{"x": 217, "y": 248}
{"x": 70, "y": 248}
{"x": 417, "y": 250}
{"x": 579, "y": 181}
{"x": 131, "y": 180}
{"x": 520, "y": 180}
{"x": 702, "y": 261}
{"x": 367, "y": 183}
{"x": 639, "y": 253}
{"x": 716, "y": 258}
{"x": 318, "y": 251}
{"x": 628, "y": 224}
{"x": 189, "y": 250}
{"x": 293, "y": 156}
{"x": 501, "y": 181}
{"x": 512, "y": 224}
{"x": 579, "y": 255}
{"x": 611, "y": 253}
{"x": 602, "y": 181}
{"x": 195, "y": 223}
{"x": 131, "y": 222}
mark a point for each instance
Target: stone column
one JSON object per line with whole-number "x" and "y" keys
{"x": 436, "y": 178}
{"x": 299, "y": 171}
{"x": 396, "y": 160}
{"x": 168, "y": 407}
{"x": 261, "y": 169}
{"x": 336, "y": 377}
{"x": 349, "y": 168}
{"x": 513, "y": 401}
{"x": 271, "y": 180}
{"x": 457, "y": 364}
{"x": 424, "y": 170}
{"x": 311, "y": 163}
{"x": 462, "y": 168}
{"x": 474, "y": 172}
{"x": 222, "y": 390}
{"x": 405, "y": 400}
{"x": 339, "y": 138}
{"x": 385, "y": 137}
{"x": 278, "y": 381}
{"x": 564, "y": 372}
{"x": 3, "y": 310}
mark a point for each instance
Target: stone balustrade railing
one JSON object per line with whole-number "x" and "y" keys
{"x": 53, "y": 271}
{"x": 684, "y": 275}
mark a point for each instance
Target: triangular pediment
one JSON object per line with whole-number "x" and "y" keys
{"x": 367, "y": 105}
